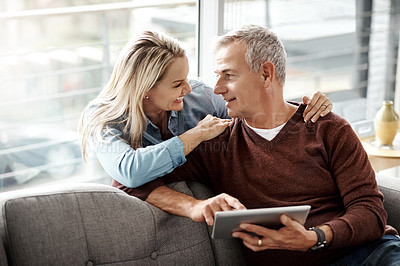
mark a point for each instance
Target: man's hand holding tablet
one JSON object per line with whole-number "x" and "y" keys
{"x": 227, "y": 222}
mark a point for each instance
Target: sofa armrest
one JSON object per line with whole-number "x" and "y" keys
{"x": 225, "y": 250}
{"x": 3, "y": 256}
{"x": 390, "y": 187}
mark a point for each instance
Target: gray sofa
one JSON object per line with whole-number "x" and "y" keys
{"x": 91, "y": 224}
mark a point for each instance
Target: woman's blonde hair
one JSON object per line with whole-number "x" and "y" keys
{"x": 140, "y": 66}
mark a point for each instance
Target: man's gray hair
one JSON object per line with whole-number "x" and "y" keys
{"x": 262, "y": 45}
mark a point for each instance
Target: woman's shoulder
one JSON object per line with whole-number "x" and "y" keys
{"x": 92, "y": 106}
{"x": 95, "y": 108}
{"x": 200, "y": 89}
{"x": 203, "y": 97}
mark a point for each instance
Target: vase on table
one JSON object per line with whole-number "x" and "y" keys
{"x": 386, "y": 123}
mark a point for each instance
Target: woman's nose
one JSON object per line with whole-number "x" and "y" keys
{"x": 187, "y": 87}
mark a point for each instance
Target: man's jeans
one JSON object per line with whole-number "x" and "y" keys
{"x": 382, "y": 252}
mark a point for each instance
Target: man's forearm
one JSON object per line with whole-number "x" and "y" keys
{"x": 181, "y": 204}
{"x": 171, "y": 201}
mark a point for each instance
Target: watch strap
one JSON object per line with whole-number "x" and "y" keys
{"x": 321, "y": 243}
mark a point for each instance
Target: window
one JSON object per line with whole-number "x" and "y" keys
{"x": 55, "y": 56}
{"x": 54, "y": 59}
{"x": 332, "y": 46}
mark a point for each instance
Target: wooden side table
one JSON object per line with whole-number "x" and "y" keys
{"x": 381, "y": 156}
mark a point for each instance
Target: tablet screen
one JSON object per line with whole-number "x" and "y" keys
{"x": 228, "y": 221}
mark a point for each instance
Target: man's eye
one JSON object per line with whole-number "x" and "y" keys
{"x": 177, "y": 86}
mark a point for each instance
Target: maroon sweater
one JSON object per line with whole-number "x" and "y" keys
{"x": 323, "y": 165}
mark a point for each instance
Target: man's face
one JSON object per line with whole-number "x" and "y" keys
{"x": 238, "y": 86}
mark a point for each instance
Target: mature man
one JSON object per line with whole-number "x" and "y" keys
{"x": 270, "y": 157}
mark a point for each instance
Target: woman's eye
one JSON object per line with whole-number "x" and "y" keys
{"x": 177, "y": 86}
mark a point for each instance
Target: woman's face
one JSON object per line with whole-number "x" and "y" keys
{"x": 169, "y": 92}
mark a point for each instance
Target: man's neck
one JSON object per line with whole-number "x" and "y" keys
{"x": 272, "y": 116}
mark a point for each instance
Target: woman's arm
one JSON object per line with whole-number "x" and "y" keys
{"x": 133, "y": 168}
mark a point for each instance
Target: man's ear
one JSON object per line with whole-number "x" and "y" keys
{"x": 268, "y": 71}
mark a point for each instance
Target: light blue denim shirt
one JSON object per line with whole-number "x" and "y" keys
{"x": 133, "y": 168}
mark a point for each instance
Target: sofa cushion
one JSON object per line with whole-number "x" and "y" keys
{"x": 390, "y": 187}
{"x": 96, "y": 224}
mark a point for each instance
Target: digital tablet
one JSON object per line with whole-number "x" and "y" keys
{"x": 226, "y": 222}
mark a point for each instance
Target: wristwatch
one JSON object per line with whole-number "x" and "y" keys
{"x": 321, "y": 243}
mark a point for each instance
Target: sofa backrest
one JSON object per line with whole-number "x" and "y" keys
{"x": 90, "y": 224}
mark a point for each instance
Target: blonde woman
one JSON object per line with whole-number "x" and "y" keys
{"x": 146, "y": 119}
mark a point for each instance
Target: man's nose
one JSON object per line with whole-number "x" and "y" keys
{"x": 219, "y": 88}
